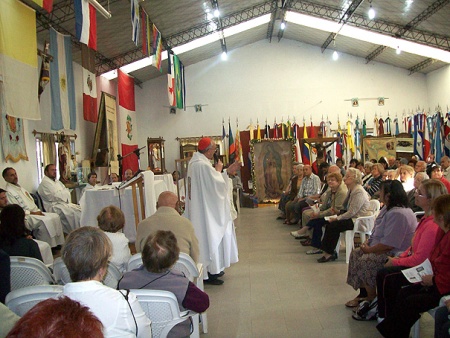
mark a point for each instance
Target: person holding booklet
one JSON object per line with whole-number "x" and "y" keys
{"x": 390, "y": 279}
{"x": 421, "y": 297}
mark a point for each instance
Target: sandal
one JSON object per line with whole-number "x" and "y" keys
{"x": 314, "y": 252}
{"x": 355, "y": 302}
{"x": 306, "y": 243}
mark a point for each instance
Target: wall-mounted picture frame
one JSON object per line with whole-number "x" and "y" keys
{"x": 376, "y": 147}
{"x": 405, "y": 145}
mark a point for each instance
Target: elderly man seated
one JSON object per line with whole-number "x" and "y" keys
{"x": 56, "y": 198}
{"x": 45, "y": 226}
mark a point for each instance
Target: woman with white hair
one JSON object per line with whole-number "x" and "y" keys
{"x": 355, "y": 205}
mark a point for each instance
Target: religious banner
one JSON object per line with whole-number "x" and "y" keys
{"x": 127, "y": 118}
{"x": 376, "y": 147}
{"x": 13, "y": 140}
{"x": 271, "y": 168}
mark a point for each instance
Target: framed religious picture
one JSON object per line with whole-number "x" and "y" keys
{"x": 156, "y": 158}
{"x": 405, "y": 145}
{"x": 271, "y": 168}
{"x": 376, "y": 147}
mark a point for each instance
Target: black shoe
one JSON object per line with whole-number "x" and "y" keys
{"x": 213, "y": 281}
{"x": 281, "y": 217}
{"x": 215, "y": 276}
{"x": 326, "y": 260}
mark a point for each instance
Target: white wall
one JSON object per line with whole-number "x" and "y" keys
{"x": 438, "y": 86}
{"x": 267, "y": 80}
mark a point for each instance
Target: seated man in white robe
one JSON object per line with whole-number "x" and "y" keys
{"x": 45, "y": 226}
{"x": 208, "y": 208}
{"x": 56, "y": 198}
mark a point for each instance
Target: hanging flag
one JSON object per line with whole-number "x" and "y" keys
{"x": 266, "y": 131}
{"x": 62, "y": 82}
{"x": 231, "y": 145}
{"x": 258, "y": 133}
{"x": 157, "y": 48}
{"x": 178, "y": 74}
{"x": 44, "y": 74}
{"x": 224, "y": 136}
{"x": 376, "y": 126}
{"x": 135, "y": 21}
{"x": 397, "y": 129}
{"x": 127, "y": 118}
{"x": 350, "y": 143}
{"x": 339, "y": 143}
{"x": 298, "y": 155}
{"x": 288, "y": 129}
{"x": 305, "y": 149}
{"x": 238, "y": 146}
{"x": 45, "y": 4}
{"x": 447, "y": 133}
{"x": 364, "y": 128}
{"x": 418, "y": 135}
{"x": 171, "y": 81}
{"x": 146, "y": 34}
{"x": 251, "y": 130}
{"x": 18, "y": 60}
{"x": 387, "y": 122}
{"x": 438, "y": 145}
{"x": 357, "y": 140}
{"x": 86, "y": 23}
{"x": 323, "y": 128}
{"x": 427, "y": 142}
{"x": 275, "y": 130}
{"x": 89, "y": 84}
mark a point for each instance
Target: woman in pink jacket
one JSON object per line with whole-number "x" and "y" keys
{"x": 390, "y": 279}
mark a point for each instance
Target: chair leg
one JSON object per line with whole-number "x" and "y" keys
{"x": 349, "y": 244}
{"x": 415, "y": 331}
{"x": 204, "y": 319}
{"x": 196, "y": 328}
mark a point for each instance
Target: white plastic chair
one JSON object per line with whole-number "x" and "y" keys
{"x": 367, "y": 221}
{"x": 415, "y": 330}
{"x": 194, "y": 273}
{"x": 162, "y": 309}
{"x": 21, "y": 300}
{"x": 62, "y": 275}
{"x": 27, "y": 271}
{"x": 134, "y": 262}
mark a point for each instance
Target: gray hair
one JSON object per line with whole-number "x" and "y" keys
{"x": 356, "y": 174}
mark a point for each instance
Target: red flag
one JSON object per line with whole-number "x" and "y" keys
{"x": 127, "y": 116}
{"x": 45, "y": 4}
{"x": 89, "y": 84}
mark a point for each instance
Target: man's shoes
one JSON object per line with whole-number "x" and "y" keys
{"x": 326, "y": 260}
{"x": 213, "y": 281}
{"x": 314, "y": 252}
{"x": 217, "y": 275}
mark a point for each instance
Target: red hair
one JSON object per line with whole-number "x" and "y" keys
{"x": 61, "y": 317}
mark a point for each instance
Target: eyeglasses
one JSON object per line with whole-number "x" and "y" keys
{"x": 417, "y": 192}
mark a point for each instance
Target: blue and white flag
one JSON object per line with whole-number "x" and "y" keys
{"x": 419, "y": 125}
{"x": 135, "y": 18}
{"x": 62, "y": 82}
{"x": 438, "y": 144}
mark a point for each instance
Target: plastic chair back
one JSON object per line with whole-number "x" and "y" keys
{"x": 162, "y": 309}
{"x": 27, "y": 271}
{"x": 21, "y": 300}
{"x": 134, "y": 262}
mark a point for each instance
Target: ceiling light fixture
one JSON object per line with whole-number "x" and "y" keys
{"x": 398, "y": 50}
{"x": 100, "y": 9}
{"x": 224, "y": 56}
{"x": 335, "y": 53}
{"x": 371, "y": 11}
{"x": 368, "y": 36}
{"x": 283, "y": 25}
{"x": 203, "y": 41}
{"x": 216, "y": 13}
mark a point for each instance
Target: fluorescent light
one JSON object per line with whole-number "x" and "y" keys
{"x": 283, "y": 25}
{"x": 368, "y": 36}
{"x": 100, "y": 9}
{"x": 224, "y": 56}
{"x": 398, "y": 51}
{"x": 335, "y": 55}
{"x": 216, "y": 13}
{"x": 371, "y": 13}
{"x": 111, "y": 75}
{"x": 139, "y": 64}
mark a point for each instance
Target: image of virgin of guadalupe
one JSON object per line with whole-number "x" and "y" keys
{"x": 273, "y": 181}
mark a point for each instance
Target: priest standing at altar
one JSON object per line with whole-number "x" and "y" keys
{"x": 208, "y": 208}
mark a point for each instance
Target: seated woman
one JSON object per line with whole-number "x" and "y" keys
{"x": 86, "y": 254}
{"x": 407, "y": 177}
{"x": 15, "y": 239}
{"x": 112, "y": 220}
{"x": 390, "y": 279}
{"x": 356, "y": 205}
{"x": 418, "y": 179}
{"x": 367, "y": 173}
{"x": 442, "y": 320}
{"x": 160, "y": 253}
{"x": 373, "y": 185}
{"x": 291, "y": 190}
{"x": 333, "y": 200}
{"x": 414, "y": 299}
{"x": 61, "y": 317}
{"x": 392, "y": 234}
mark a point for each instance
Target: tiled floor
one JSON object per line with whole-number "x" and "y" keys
{"x": 276, "y": 290}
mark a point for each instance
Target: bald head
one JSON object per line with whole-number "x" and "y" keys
{"x": 167, "y": 199}
{"x": 334, "y": 169}
{"x": 421, "y": 166}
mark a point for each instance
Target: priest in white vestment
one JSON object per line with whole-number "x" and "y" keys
{"x": 45, "y": 226}
{"x": 56, "y": 198}
{"x": 208, "y": 208}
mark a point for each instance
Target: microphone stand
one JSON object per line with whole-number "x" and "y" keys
{"x": 137, "y": 153}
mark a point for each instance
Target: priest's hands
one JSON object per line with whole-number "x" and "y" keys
{"x": 219, "y": 166}
{"x": 234, "y": 167}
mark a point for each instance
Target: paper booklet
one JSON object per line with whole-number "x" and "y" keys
{"x": 414, "y": 275}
